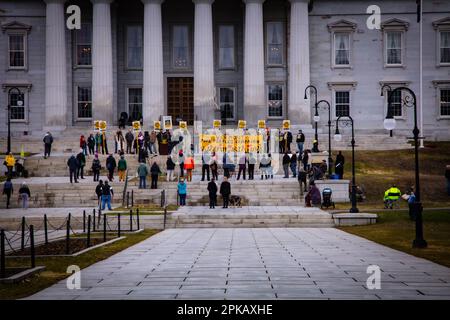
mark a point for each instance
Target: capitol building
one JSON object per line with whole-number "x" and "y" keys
{"x": 223, "y": 59}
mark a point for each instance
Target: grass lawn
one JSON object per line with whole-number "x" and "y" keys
{"x": 376, "y": 171}
{"x": 395, "y": 230}
{"x": 56, "y": 266}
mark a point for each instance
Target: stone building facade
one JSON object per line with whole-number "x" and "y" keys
{"x": 235, "y": 59}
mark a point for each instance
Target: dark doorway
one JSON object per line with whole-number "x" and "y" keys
{"x": 180, "y": 99}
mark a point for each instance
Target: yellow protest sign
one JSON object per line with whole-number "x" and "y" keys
{"x": 102, "y": 125}
{"x": 286, "y": 124}
{"x": 136, "y": 125}
{"x": 261, "y": 124}
{"x": 242, "y": 124}
{"x": 217, "y": 124}
{"x": 183, "y": 125}
{"x": 157, "y": 125}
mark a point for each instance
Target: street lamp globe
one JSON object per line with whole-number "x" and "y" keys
{"x": 338, "y": 137}
{"x": 389, "y": 123}
{"x": 316, "y": 118}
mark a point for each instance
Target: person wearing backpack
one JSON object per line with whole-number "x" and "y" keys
{"x": 8, "y": 190}
{"x": 122, "y": 168}
{"x": 107, "y": 194}
{"x": 99, "y": 192}
{"x": 96, "y": 167}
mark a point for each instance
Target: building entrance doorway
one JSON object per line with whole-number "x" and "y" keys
{"x": 180, "y": 99}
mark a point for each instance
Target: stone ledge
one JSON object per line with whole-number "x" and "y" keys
{"x": 354, "y": 219}
{"x": 22, "y": 275}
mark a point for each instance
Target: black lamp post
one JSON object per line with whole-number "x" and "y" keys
{"x": 409, "y": 100}
{"x": 329, "y": 133}
{"x": 316, "y": 114}
{"x": 338, "y": 137}
{"x": 19, "y": 103}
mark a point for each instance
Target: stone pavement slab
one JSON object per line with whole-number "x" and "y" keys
{"x": 260, "y": 263}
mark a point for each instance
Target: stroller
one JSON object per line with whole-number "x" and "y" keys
{"x": 326, "y": 199}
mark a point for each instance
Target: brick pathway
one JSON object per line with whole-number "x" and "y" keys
{"x": 293, "y": 263}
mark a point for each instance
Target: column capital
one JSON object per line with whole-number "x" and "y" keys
{"x": 152, "y": 1}
{"x": 253, "y": 1}
{"x": 203, "y": 1}
{"x": 102, "y": 1}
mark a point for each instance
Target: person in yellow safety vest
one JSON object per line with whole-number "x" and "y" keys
{"x": 391, "y": 195}
{"x": 10, "y": 162}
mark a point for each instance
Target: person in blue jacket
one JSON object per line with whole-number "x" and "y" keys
{"x": 182, "y": 191}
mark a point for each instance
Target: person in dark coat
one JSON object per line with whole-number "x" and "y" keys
{"x": 81, "y": 158}
{"x": 111, "y": 166}
{"x": 313, "y": 197}
{"x": 286, "y": 162}
{"x": 99, "y": 192}
{"x": 205, "y": 166}
{"x": 225, "y": 191}
{"x": 72, "y": 163}
{"x": 129, "y": 137}
{"x": 96, "y": 167}
{"x": 48, "y": 140}
{"x": 154, "y": 172}
{"x": 170, "y": 165}
{"x": 293, "y": 165}
{"x": 8, "y": 190}
{"x": 339, "y": 165}
{"x": 212, "y": 190}
{"x": 91, "y": 144}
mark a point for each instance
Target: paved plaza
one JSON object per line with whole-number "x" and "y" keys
{"x": 265, "y": 263}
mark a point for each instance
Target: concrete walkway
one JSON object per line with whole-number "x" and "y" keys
{"x": 294, "y": 263}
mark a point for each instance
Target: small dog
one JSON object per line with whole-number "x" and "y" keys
{"x": 235, "y": 201}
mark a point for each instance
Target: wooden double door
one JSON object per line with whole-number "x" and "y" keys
{"x": 180, "y": 99}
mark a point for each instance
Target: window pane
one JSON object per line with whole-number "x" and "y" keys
{"x": 17, "y": 112}
{"x": 226, "y": 47}
{"x": 445, "y": 102}
{"x": 394, "y": 48}
{"x": 84, "y": 102}
{"x": 134, "y": 46}
{"x": 274, "y": 43}
{"x": 341, "y": 46}
{"x": 396, "y": 104}
{"x": 180, "y": 46}
{"x": 16, "y": 51}
{"x": 84, "y": 45}
{"x": 135, "y": 103}
{"x": 445, "y": 47}
{"x": 275, "y": 100}
{"x": 342, "y": 103}
{"x": 226, "y": 102}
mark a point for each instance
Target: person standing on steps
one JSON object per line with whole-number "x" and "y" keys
{"x": 189, "y": 166}
{"x": 142, "y": 172}
{"x": 8, "y": 190}
{"x": 111, "y": 166}
{"x": 91, "y": 144}
{"x": 107, "y": 195}
{"x": 225, "y": 191}
{"x": 242, "y": 166}
{"x": 286, "y": 162}
{"x": 300, "y": 139}
{"x": 25, "y": 195}
{"x": 81, "y": 158}
{"x": 339, "y": 165}
{"x": 293, "y": 165}
{"x": 72, "y": 163}
{"x": 83, "y": 145}
{"x": 48, "y": 140}
{"x": 251, "y": 166}
{"x": 170, "y": 165}
{"x": 119, "y": 142}
{"x": 155, "y": 171}
{"x": 10, "y": 162}
{"x": 214, "y": 166}
{"x": 182, "y": 191}
{"x": 205, "y": 166}
{"x": 96, "y": 167}
{"x": 212, "y": 192}
{"x": 99, "y": 192}
{"x": 181, "y": 162}
{"x": 129, "y": 137}
{"x": 122, "y": 168}
{"x": 98, "y": 142}
{"x": 302, "y": 178}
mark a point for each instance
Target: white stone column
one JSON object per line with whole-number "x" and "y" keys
{"x": 102, "y": 66}
{"x": 55, "y": 66}
{"x": 203, "y": 62}
{"x": 299, "y": 110}
{"x": 153, "y": 84}
{"x": 254, "y": 84}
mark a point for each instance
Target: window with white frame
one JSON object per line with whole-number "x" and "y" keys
{"x": 227, "y": 102}
{"x": 17, "y": 47}
{"x": 180, "y": 46}
{"x": 134, "y": 46}
{"x": 226, "y": 47}
{"x": 275, "y": 100}
{"x": 341, "y": 46}
{"x": 274, "y": 43}
{"x": 84, "y": 102}
{"x": 396, "y": 104}
{"x": 83, "y": 38}
{"x": 444, "y": 47}
{"x": 135, "y": 103}
{"x": 394, "y": 47}
{"x": 17, "y": 103}
{"x": 342, "y": 103}
{"x": 444, "y": 102}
